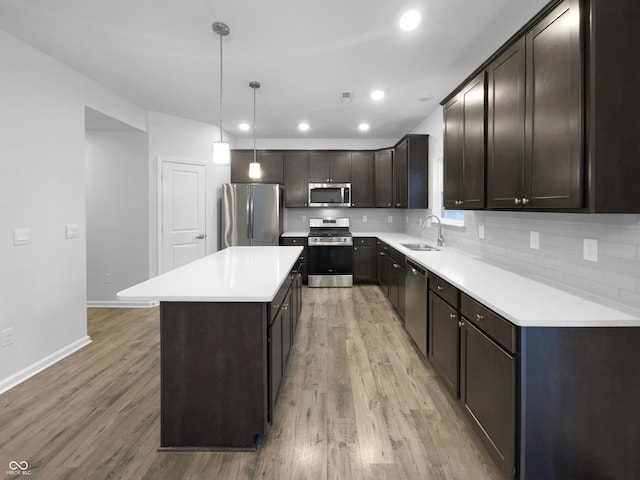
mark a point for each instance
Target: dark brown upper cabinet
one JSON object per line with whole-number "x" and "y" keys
{"x": 384, "y": 178}
{"x": 362, "y": 179}
{"x": 411, "y": 172}
{"x": 562, "y": 112}
{"x": 296, "y": 190}
{"x": 329, "y": 166}
{"x": 506, "y": 128}
{"x": 271, "y": 164}
{"x": 464, "y": 147}
{"x": 535, "y": 117}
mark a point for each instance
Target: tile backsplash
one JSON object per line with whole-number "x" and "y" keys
{"x": 559, "y": 258}
{"x": 507, "y": 243}
{"x": 360, "y": 220}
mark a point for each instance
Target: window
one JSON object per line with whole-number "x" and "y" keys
{"x": 448, "y": 217}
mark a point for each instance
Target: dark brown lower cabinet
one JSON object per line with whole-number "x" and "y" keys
{"x": 444, "y": 342}
{"x": 383, "y": 267}
{"x": 364, "y": 260}
{"x": 274, "y": 347}
{"x": 488, "y": 393}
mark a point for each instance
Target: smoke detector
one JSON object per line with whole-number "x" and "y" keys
{"x": 345, "y": 97}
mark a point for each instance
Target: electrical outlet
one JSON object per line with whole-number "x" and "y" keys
{"x": 480, "y": 232}
{"x": 364, "y": 219}
{"x": 107, "y": 278}
{"x": 534, "y": 240}
{"x": 590, "y": 249}
{"x": 7, "y": 337}
{"x": 390, "y": 219}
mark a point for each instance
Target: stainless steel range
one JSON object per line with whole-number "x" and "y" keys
{"x": 330, "y": 253}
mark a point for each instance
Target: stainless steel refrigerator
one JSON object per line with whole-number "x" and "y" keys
{"x": 251, "y": 214}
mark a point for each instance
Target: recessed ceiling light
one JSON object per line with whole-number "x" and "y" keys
{"x": 363, "y": 127}
{"x": 377, "y": 95}
{"x": 244, "y": 127}
{"x": 303, "y": 127}
{"x": 410, "y": 20}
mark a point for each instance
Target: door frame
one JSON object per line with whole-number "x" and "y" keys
{"x": 159, "y": 191}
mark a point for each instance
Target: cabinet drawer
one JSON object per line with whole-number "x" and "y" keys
{"x": 293, "y": 241}
{"x": 444, "y": 290}
{"x": 397, "y": 257}
{"x": 496, "y": 327}
{"x": 364, "y": 241}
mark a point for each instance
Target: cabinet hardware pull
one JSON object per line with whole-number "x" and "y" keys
{"x": 516, "y": 201}
{"x": 479, "y": 317}
{"x": 355, "y": 248}
{"x": 439, "y": 287}
{"x": 525, "y": 200}
{"x": 461, "y": 323}
{"x": 200, "y": 236}
{"x": 452, "y": 316}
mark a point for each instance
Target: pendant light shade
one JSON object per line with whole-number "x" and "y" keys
{"x": 255, "y": 171}
{"x": 221, "y": 151}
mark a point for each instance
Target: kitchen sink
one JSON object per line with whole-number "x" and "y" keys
{"x": 419, "y": 247}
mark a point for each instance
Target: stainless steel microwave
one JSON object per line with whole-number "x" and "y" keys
{"x": 329, "y": 194}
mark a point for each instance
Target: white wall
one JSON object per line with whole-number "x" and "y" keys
{"x": 42, "y": 187}
{"x": 172, "y": 137}
{"x": 117, "y": 212}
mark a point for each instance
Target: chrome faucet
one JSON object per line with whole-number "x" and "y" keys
{"x": 440, "y": 241}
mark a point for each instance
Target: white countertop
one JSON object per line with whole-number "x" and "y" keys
{"x": 521, "y": 300}
{"x": 235, "y": 274}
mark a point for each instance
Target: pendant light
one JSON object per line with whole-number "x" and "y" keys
{"x": 221, "y": 152}
{"x": 255, "y": 171}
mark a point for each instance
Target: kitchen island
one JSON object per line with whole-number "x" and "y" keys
{"x": 225, "y": 328}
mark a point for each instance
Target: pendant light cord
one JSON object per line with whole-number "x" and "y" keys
{"x": 255, "y": 156}
{"x": 221, "y": 88}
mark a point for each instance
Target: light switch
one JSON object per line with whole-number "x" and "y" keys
{"x": 72, "y": 230}
{"x": 22, "y": 236}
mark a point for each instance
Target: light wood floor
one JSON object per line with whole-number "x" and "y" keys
{"x": 357, "y": 403}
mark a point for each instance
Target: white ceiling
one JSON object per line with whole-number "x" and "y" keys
{"x": 164, "y": 56}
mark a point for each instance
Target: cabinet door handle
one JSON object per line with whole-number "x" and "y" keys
{"x": 461, "y": 323}
{"x": 525, "y": 200}
{"x": 355, "y": 248}
{"x": 388, "y": 204}
{"x": 398, "y": 204}
{"x": 200, "y": 236}
{"x": 395, "y": 265}
{"x": 479, "y": 317}
{"x": 516, "y": 201}
{"x": 381, "y": 253}
{"x": 439, "y": 287}
{"x": 452, "y": 316}
{"x": 285, "y": 306}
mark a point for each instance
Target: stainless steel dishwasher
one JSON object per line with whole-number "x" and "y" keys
{"x": 416, "y": 305}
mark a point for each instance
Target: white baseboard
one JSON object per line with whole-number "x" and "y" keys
{"x": 117, "y": 304}
{"x": 30, "y": 371}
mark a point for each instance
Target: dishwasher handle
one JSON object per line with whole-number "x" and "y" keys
{"x": 415, "y": 268}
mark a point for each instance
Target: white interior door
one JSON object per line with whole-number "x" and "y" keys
{"x": 183, "y": 214}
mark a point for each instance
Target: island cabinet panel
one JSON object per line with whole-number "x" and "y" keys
{"x": 271, "y": 165}
{"x": 384, "y": 178}
{"x": 296, "y": 184}
{"x": 362, "y": 180}
{"x": 213, "y": 374}
{"x": 299, "y": 242}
